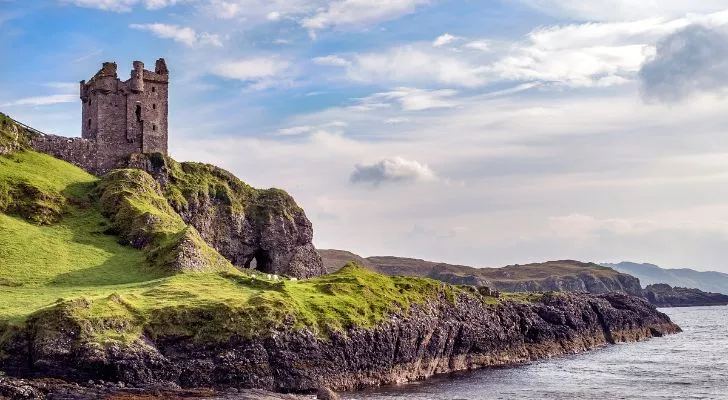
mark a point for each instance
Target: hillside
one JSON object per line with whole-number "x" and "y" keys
{"x": 650, "y": 274}
{"x": 142, "y": 277}
{"x": 564, "y": 275}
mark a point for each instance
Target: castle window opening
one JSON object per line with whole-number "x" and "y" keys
{"x": 89, "y": 123}
{"x": 154, "y": 106}
{"x": 154, "y": 89}
{"x": 139, "y": 113}
{"x": 154, "y": 127}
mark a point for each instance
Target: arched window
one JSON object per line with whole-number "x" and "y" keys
{"x": 139, "y": 112}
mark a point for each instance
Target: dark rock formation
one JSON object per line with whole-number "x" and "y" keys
{"x": 264, "y": 229}
{"x": 663, "y": 295}
{"x": 433, "y": 338}
{"x": 56, "y": 389}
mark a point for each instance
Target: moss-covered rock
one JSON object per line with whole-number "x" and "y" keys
{"x": 264, "y": 229}
{"x": 13, "y": 137}
{"x": 142, "y": 218}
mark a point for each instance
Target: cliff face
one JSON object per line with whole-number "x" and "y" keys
{"x": 439, "y": 336}
{"x": 264, "y": 229}
{"x": 663, "y": 295}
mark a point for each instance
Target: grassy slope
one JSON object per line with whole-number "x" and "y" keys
{"x": 74, "y": 269}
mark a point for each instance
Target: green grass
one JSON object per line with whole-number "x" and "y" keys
{"x": 97, "y": 270}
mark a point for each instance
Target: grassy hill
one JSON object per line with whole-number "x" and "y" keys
{"x": 110, "y": 256}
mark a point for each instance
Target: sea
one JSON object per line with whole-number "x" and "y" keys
{"x": 689, "y": 365}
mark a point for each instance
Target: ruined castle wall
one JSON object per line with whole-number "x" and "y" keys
{"x": 77, "y": 151}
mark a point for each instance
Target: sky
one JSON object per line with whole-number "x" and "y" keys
{"x": 478, "y": 132}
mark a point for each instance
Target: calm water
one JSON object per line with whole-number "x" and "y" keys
{"x": 690, "y": 365}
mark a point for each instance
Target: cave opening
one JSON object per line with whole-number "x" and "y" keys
{"x": 259, "y": 260}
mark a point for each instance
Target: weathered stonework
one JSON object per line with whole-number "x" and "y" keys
{"x": 119, "y": 118}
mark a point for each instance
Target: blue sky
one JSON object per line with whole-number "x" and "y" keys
{"x": 479, "y": 132}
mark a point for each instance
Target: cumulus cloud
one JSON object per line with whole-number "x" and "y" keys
{"x": 395, "y": 169}
{"x": 360, "y": 12}
{"x": 443, "y": 40}
{"x": 121, "y": 5}
{"x": 184, "y": 35}
{"x": 694, "y": 59}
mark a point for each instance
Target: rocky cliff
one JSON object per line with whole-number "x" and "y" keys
{"x": 264, "y": 229}
{"x": 663, "y": 295}
{"x": 452, "y": 331}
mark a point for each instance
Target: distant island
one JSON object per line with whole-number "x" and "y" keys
{"x": 565, "y": 275}
{"x": 650, "y": 274}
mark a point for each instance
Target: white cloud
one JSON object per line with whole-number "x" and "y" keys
{"x": 332, "y": 60}
{"x": 482, "y": 45}
{"x": 43, "y": 100}
{"x": 411, "y": 64}
{"x": 184, "y": 35}
{"x": 274, "y": 16}
{"x": 396, "y": 120}
{"x": 395, "y": 169}
{"x": 621, "y": 10}
{"x": 295, "y": 130}
{"x": 411, "y": 99}
{"x": 251, "y": 69}
{"x": 121, "y": 5}
{"x": 360, "y": 12}
{"x": 444, "y": 39}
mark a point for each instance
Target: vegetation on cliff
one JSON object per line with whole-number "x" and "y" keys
{"x": 93, "y": 255}
{"x": 191, "y": 184}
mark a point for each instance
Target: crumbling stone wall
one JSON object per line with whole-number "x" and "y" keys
{"x": 77, "y": 151}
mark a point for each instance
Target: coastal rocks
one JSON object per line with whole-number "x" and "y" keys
{"x": 439, "y": 336}
{"x": 252, "y": 228}
{"x": 663, "y": 295}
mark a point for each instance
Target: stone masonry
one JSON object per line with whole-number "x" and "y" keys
{"x": 119, "y": 118}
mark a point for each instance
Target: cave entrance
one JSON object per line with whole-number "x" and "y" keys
{"x": 260, "y": 260}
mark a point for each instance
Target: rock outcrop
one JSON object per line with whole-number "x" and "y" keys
{"x": 252, "y": 228}
{"x": 440, "y": 336}
{"x": 664, "y": 295}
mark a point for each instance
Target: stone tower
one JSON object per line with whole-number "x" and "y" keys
{"x": 125, "y": 117}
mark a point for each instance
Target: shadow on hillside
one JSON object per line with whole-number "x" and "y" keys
{"x": 124, "y": 265}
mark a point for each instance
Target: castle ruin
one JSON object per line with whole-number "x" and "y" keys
{"x": 119, "y": 118}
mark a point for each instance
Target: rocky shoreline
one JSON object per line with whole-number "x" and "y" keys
{"x": 435, "y": 338}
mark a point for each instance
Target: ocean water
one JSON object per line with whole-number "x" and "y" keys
{"x": 689, "y": 365}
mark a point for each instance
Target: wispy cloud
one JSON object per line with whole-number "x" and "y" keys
{"x": 43, "y": 100}
{"x": 121, "y": 5}
{"x": 358, "y": 13}
{"x": 184, "y": 35}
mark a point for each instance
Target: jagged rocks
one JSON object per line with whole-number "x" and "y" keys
{"x": 439, "y": 336}
{"x": 264, "y": 229}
